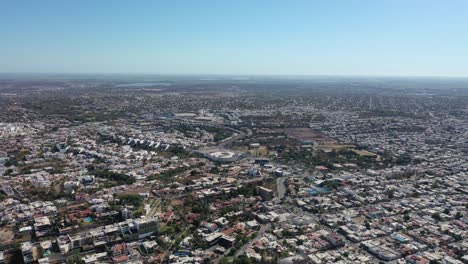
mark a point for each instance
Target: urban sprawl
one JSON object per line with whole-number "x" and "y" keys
{"x": 233, "y": 170}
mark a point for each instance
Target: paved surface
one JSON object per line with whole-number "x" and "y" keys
{"x": 260, "y": 234}
{"x": 281, "y": 187}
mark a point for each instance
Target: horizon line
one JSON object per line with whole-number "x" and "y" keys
{"x": 238, "y": 74}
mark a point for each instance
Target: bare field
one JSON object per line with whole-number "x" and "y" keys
{"x": 6, "y": 235}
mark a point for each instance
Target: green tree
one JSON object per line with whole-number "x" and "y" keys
{"x": 436, "y": 216}
{"x": 76, "y": 259}
{"x": 406, "y": 217}
{"x": 368, "y": 226}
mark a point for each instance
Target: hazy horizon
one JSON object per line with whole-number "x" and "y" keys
{"x": 230, "y": 75}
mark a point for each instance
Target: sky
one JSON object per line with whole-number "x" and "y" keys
{"x": 249, "y": 37}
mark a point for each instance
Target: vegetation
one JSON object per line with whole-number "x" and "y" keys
{"x": 8, "y": 172}
{"x": 166, "y": 176}
{"x": 119, "y": 178}
{"x": 327, "y": 159}
{"x": 131, "y": 199}
{"x": 331, "y": 184}
{"x": 436, "y": 216}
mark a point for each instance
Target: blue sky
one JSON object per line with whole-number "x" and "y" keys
{"x": 310, "y": 37}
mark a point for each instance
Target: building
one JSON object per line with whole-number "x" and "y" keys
{"x": 94, "y": 258}
{"x": 221, "y": 155}
{"x": 27, "y": 252}
{"x": 262, "y": 162}
{"x": 126, "y": 214}
{"x": 335, "y": 240}
{"x": 213, "y": 239}
{"x": 265, "y": 193}
{"x": 87, "y": 180}
{"x": 120, "y": 253}
{"x": 150, "y": 246}
{"x": 139, "y": 228}
{"x": 43, "y": 261}
{"x": 42, "y": 226}
{"x": 226, "y": 241}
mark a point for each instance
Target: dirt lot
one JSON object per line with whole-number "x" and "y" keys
{"x": 176, "y": 202}
{"x": 258, "y": 152}
{"x": 6, "y": 235}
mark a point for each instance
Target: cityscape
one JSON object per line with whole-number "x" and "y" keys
{"x": 234, "y": 132}
{"x": 216, "y": 169}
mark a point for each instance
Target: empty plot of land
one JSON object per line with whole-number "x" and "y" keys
{"x": 364, "y": 153}
{"x": 6, "y": 235}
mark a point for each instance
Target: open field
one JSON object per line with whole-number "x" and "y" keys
{"x": 330, "y": 147}
{"x": 364, "y": 153}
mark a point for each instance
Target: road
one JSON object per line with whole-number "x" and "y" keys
{"x": 240, "y": 134}
{"x": 227, "y": 141}
{"x": 155, "y": 208}
{"x": 281, "y": 188}
{"x": 260, "y": 234}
